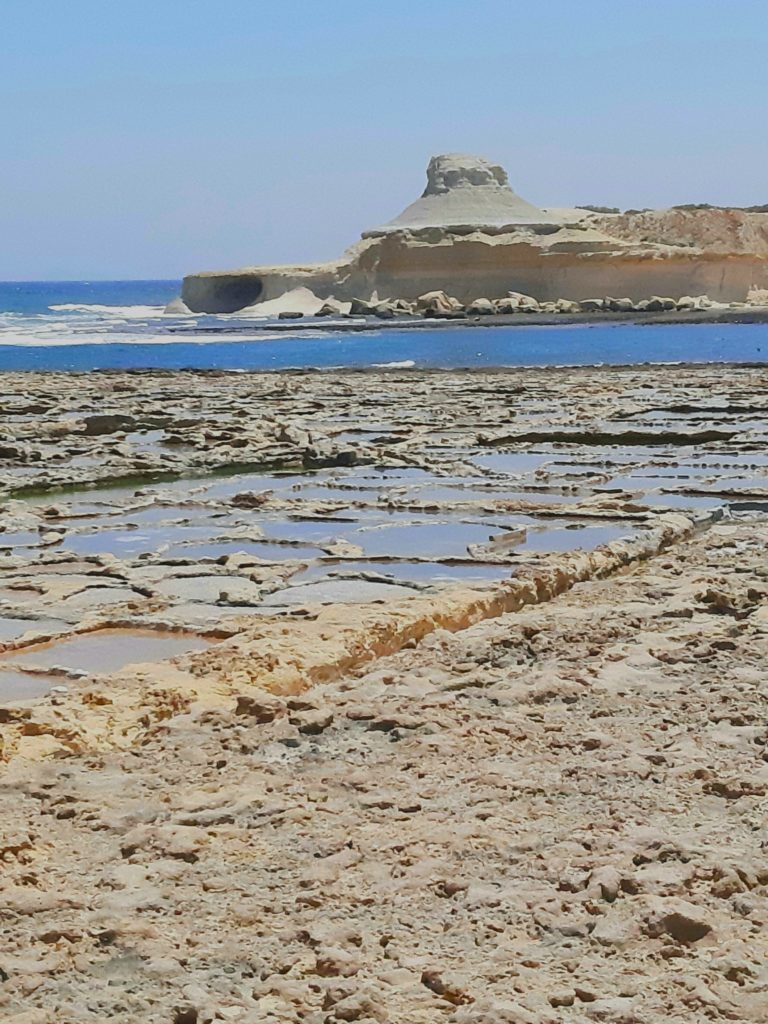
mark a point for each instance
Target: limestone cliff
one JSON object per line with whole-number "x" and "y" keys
{"x": 717, "y": 229}
{"x": 466, "y": 192}
{"x": 471, "y": 235}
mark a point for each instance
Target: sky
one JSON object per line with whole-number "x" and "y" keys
{"x": 151, "y": 138}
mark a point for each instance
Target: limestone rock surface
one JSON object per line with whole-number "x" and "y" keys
{"x": 467, "y": 190}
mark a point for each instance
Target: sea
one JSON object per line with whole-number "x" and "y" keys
{"x": 100, "y": 325}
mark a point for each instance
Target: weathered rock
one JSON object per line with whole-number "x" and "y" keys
{"x": 618, "y": 928}
{"x": 698, "y": 302}
{"x": 506, "y": 306}
{"x": 618, "y": 305}
{"x": 679, "y": 919}
{"x": 361, "y": 307}
{"x": 525, "y": 303}
{"x": 656, "y": 304}
{"x": 480, "y": 307}
{"x": 453, "y": 805}
{"x": 250, "y": 499}
{"x": 262, "y": 708}
{"x": 312, "y": 721}
{"x": 385, "y": 310}
{"x": 108, "y": 423}
{"x": 436, "y": 302}
{"x": 332, "y": 307}
{"x": 493, "y": 1011}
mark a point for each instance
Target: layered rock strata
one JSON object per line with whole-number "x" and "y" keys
{"x": 470, "y": 235}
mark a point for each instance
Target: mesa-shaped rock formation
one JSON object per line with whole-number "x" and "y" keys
{"x": 466, "y": 193}
{"x": 471, "y": 235}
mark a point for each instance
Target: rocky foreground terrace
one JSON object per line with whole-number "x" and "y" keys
{"x": 396, "y": 696}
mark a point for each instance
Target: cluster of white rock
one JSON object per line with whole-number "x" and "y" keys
{"x": 438, "y": 304}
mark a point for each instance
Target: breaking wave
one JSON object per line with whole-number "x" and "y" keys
{"x": 124, "y": 312}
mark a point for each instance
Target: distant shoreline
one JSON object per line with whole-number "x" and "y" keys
{"x": 758, "y": 315}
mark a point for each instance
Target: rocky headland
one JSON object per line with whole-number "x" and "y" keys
{"x": 471, "y": 246}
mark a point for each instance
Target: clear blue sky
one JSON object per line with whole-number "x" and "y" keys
{"x": 148, "y": 138}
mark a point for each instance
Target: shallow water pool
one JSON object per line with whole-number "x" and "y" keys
{"x": 107, "y": 650}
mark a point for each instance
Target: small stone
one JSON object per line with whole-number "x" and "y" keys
{"x": 683, "y": 921}
{"x": 563, "y": 997}
{"x": 312, "y": 723}
{"x": 262, "y": 708}
{"x": 332, "y": 961}
{"x": 585, "y": 995}
{"x": 618, "y": 928}
{"x": 605, "y": 882}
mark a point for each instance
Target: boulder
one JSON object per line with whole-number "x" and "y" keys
{"x": 697, "y": 302}
{"x": 385, "y": 310}
{"x": 481, "y": 307}
{"x": 332, "y": 307}
{"x": 360, "y": 307}
{"x": 436, "y": 302}
{"x": 591, "y": 305}
{"x": 507, "y": 305}
{"x": 525, "y": 303}
{"x": 290, "y": 314}
{"x": 567, "y": 306}
{"x": 657, "y": 304}
{"x": 619, "y": 305}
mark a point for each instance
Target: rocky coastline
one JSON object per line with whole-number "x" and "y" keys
{"x": 399, "y": 318}
{"x": 439, "y": 698}
{"x": 470, "y": 237}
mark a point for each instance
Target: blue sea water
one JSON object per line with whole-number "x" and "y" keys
{"x": 122, "y": 325}
{"x": 30, "y": 298}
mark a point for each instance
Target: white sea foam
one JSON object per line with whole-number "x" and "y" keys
{"x": 126, "y": 312}
{"x": 78, "y": 323}
{"x": 405, "y": 364}
{"x": 63, "y": 339}
{"x": 89, "y": 324}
